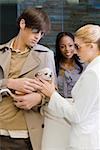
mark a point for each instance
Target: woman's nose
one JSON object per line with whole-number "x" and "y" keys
{"x": 66, "y": 48}
{"x": 75, "y": 51}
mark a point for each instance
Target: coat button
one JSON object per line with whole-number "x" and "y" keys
{"x": 42, "y": 126}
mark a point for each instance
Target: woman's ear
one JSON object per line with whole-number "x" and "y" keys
{"x": 22, "y": 24}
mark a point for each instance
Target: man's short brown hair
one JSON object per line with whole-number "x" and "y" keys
{"x": 35, "y": 18}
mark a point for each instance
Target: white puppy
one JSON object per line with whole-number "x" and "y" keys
{"x": 45, "y": 74}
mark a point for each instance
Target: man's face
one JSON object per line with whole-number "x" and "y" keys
{"x": 29, "y": 37}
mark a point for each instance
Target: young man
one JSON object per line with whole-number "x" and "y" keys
{"x": 20, "y": 120}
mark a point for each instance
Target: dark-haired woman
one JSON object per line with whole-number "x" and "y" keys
{"x": 68, "y": 65}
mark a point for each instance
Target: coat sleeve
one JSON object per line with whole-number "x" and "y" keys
{"x": 51, "y": 63}
{"x": 3, "y": 82}
{"x": 85, "y": 96}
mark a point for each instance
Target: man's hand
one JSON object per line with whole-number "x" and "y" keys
{"x": 27, "y": 101}
{"x": 24, "y": 85}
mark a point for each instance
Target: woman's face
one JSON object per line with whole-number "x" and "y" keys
{"x": 86, "y": 51}
{"x": 66, "y": 46}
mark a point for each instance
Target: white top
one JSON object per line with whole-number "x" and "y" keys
{"x": 84, "y": 112}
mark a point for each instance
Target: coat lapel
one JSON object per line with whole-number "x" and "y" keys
{"x": 31, "y": 62}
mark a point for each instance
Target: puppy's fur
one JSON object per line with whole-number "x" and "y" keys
{"x": 45, "y": 74}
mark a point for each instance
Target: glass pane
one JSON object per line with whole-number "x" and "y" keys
{"x": 65, "y": 15}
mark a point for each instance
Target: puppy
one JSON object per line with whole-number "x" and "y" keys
{"x": 45, "y": 74}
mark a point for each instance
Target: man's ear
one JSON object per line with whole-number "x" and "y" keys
{"x": 22, "y": 24}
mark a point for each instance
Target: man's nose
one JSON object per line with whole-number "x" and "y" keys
{"x": 37, "y": 35}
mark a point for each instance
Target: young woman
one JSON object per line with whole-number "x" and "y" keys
{"x": 68, "y": 65}
{"x": 84, "y": 112}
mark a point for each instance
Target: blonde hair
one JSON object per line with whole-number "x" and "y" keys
{"x": 89, "y": 34}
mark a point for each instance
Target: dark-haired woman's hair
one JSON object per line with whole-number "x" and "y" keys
{"x": 58, "y": 54}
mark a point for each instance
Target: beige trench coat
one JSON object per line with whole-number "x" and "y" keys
{"x": 38, "y": 58}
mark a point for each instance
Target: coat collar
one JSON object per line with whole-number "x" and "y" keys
{"x": 93, "y": 62}
{"x": 32, "y": 61}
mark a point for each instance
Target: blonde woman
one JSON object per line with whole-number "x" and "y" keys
{"x": 84, "y": 112}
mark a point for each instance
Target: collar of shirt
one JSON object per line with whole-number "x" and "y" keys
{"x": 73, "y": 68}
{"x": 18, "y": 50}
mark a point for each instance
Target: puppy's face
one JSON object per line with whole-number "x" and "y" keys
{"x": 45, "y": 74}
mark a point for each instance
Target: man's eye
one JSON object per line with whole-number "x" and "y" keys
{"x": 42, "y": 33}
{"x": 35, "y": 30}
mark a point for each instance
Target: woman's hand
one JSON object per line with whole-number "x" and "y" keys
{"x": 45, "y": 87}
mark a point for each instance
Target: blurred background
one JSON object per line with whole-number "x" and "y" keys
{"x": 65, "y": 15}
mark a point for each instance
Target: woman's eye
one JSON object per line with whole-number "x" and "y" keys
{"x": 62, "y": 46}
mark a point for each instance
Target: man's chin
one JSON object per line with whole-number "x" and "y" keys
{"x": 31, "y": 46}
